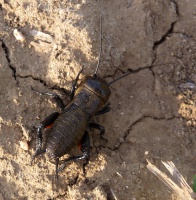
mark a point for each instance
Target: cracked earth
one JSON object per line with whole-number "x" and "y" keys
{"x": 153, "y": 112}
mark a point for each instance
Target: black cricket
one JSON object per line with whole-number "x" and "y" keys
{"x": 69, "y": 128}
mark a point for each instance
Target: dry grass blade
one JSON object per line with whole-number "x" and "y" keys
{"x": 42, "y": 36}
{"x": 180, "y": 186}
{"x": 178, "y": 178}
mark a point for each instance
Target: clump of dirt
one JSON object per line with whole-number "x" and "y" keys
{"x": 153, "y": 112}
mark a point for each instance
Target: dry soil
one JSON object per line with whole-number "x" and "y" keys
{"x": 153, "y": 112}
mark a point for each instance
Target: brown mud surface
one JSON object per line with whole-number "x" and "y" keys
{"x": 153, "y": 112}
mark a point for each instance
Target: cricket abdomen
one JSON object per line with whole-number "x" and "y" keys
{"x": 67, "y": 131}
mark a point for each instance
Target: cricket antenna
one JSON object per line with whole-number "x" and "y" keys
{"x": 100, "y": 50}
{"x": 130, "y": 71}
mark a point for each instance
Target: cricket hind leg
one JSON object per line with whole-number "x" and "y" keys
{"x": 85, "y": 148}
{"x": 55, "y": 97}
{"x": 98, "y": 127}
{"x": 47, "y": 123}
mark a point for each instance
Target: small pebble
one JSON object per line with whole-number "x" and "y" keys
{"x": 131, "y": 140}
{"x": 121, "y": 140}
{"x": 24, "y": 145}
{"x": 119, "y": 174}
{"x": 18, "y": 35}
{"x": 146, "y": 152}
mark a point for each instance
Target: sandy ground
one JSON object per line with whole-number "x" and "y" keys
{"x": 153, "y": 112}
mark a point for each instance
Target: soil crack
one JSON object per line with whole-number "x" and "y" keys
{"x": 6, "y": 50}
{"x": 136, "y": 70}
{"x": 138, "y": 121}
{"x": 165, "y": 36}
{"x": 176, "y": 7}
{"x": 36, "y": 79}
{"x": 14, "y": 72}
{"x": 168, "y": 33}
